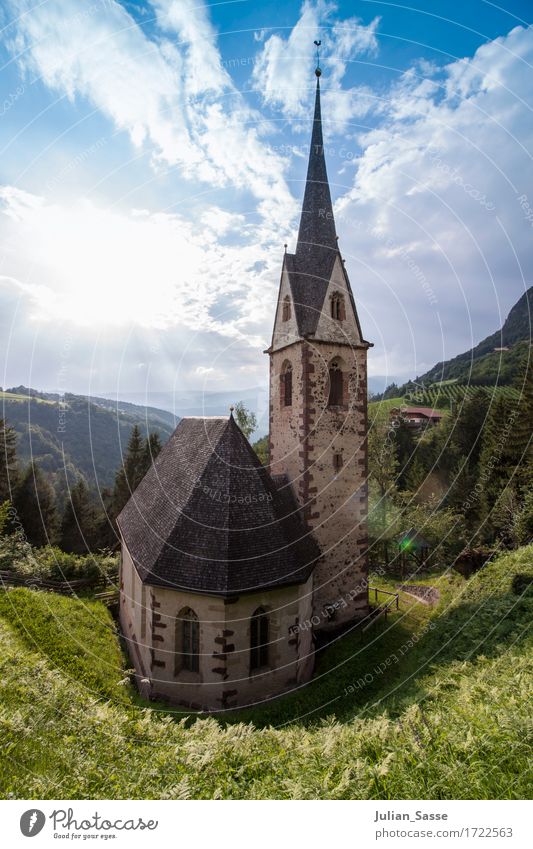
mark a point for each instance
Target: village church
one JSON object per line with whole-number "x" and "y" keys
{"x": 230, "y": 568}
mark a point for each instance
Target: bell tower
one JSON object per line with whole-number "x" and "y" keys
{"x": 318, "y": 399}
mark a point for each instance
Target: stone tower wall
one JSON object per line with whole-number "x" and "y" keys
{"x": 303, "y": 441}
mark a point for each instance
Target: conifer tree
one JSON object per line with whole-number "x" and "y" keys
{"x": 131, "y": 473}
{"x": 8, "y": 461}
{"x": 36, "y": 507}
{"x": 522, "y": 436}
{"x": 152, "y": 447}
{"x": 498, "y": 459}
{"x": 78, "y": 526}
{"x": 405, "y": 445}
{"x": 467, "y": 426}
{"x": 415, "y": 475}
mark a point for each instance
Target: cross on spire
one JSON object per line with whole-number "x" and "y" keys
{"x": 317, "y": 69}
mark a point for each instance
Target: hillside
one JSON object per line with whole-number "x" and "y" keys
{"x": 76, "y": 435}
{"x": 451, "y": 719}
{"x": 482, "y": 364}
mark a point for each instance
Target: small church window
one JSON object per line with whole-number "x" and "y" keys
{"x": 187, "y": 641}
{"x": 286, "y": 385}
{"x": 337, "y": 307}
{"x": 336, "y": 385}
{"x": 337, "y": 461}
{"x": 259, "y": 639}
{"x": 286, "y": 312}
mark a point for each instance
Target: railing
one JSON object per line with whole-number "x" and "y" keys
{"x": 377, "y": 590}
{"x": 383, "y": 609}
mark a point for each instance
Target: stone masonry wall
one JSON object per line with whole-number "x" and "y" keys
{"x": 303, "y": 441}
{"x": 224, "y": 679}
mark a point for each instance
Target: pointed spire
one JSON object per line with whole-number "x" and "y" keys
{"x": 317, "y": 225}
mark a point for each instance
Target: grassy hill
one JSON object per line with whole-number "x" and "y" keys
{"x": 482, "y": 364}
{"x": 449, "y": 719}
{"x": 77, "y": 436}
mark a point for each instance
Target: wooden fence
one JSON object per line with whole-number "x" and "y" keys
{"x": 384, "y": 608}
{"x": 108, "y": 593}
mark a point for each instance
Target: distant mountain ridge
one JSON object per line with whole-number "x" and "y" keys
{"x": 74, "y": 436}
{"x": 485, "y": 365}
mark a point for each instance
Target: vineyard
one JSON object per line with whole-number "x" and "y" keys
{"x": 448, "y": 394}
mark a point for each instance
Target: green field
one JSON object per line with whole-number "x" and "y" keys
{"x": 450, "y": 392}
{"x": 450, "y": 719}
{"x": 10, "y": 396}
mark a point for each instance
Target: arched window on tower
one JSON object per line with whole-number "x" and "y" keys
{"x": 336, "y": 384}
{"x": 259, "y": 639}
{"x": 286, "y": 311}
{"x": 338, "y": 311}
{"x": 187, "y": 656}
{"x": 286, "y": 384}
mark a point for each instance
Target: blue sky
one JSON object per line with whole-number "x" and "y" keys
{"x": 151, "y": 166}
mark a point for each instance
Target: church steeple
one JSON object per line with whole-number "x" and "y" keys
{"x": 315, "y": 272}
{"x": 318, "y": 397}
{"x": 317, "y": 224}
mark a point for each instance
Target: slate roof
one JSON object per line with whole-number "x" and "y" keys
{"x": 310, "y": 268}
{"x": 207, "y": 517}
{"x": 317, "y": 224}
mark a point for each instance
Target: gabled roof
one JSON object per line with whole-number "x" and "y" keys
{"x": 207, "y": 517}
{"x": 427, "y": 412}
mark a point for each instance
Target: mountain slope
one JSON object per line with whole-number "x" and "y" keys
{"x": 77, "y": 436}
{"x": 482, "y": 364}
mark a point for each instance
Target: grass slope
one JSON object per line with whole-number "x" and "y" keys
{"x": 79, "y": 638}
{"x": 451, "y": 721}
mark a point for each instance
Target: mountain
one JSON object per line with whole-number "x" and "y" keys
{"x": 199, "y": 402}
{"x": 483, "y": 364}
{"x": 74, "y": 436}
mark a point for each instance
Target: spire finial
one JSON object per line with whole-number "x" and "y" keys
{"x": 317, "y": 69}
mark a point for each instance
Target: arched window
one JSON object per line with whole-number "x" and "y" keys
{"x": 187, "y": 641}
{"x": 259, "y": 639}
{"x": 286, "y": 312}
{"x": 338, "y": 311}
{"x": 286, "y": 385}
{"x": 336, "y": 384}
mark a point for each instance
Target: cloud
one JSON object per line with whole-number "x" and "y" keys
{"x": 170, "y": 95}
{"x": 281, "y": 73}
{"x": 432, "y": 223}
{"x": 97, "y": 267}
{"x": 430, "y": 219}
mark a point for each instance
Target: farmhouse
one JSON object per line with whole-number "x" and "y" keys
{"x": 417, "y": 418}
{"x": 223, "y": 559}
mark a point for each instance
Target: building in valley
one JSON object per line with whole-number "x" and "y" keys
{"x": 229, "y": 568}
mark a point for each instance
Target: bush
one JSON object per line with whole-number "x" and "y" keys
{"x": 57, "y": 565}
{"x": 18, "y": 556}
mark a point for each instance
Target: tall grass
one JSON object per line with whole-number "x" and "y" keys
{"x": 459, "y": 726}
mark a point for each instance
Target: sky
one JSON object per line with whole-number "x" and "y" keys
{"x": 152, "y": 159}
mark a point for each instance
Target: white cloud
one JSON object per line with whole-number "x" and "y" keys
{"x": 96, "y": 267}
{"x": 174, "y": 97}
{"x": 282, "y": 71}
{"x": 434, "y": 206}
